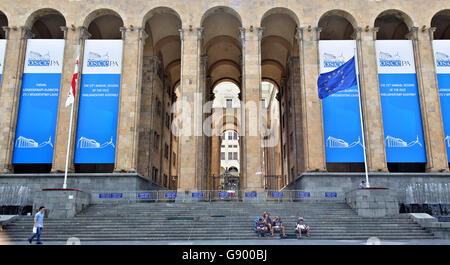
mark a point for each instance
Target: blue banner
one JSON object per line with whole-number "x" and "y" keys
{"x": 304, "y": 194}
{"x": 38, "y": 107}
{"x": 143, "y": 195}
{"x": 197, "y": 195}
{"x": 99, "y": 102}
{"x": 250, "y": 194}
{"x": 170, "y": 195}
{"x": 402, "y": 121}
{"x": 110, "y": 195}
{"x": 331, "y": 194}
{"x": 97, "y": 119}
{"x": 341, "y": 118}
{"x": 224, "y": 195}
{"x": 442, "y": 57}
{"x": 278, "y": 194}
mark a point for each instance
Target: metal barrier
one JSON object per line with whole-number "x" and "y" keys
{"x": 215, "y": 196}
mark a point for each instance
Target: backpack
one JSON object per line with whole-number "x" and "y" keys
{"x": 256, "y": 224}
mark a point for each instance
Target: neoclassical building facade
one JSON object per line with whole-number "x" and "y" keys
{"x": 176, "y": 52}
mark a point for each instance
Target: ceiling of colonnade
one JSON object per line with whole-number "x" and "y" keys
{"x": 221, "y": 44}
{"x": 277, "y": 44}
{"x": 441, "y": 21}
{"x": 336, "y": 26}
{"x": 46, "y": 24}
{"x": 164, "y": 41}
{"x": 392, "y": 25}
{"x": 3, "y": 23}
{"x": 105, "y": 24}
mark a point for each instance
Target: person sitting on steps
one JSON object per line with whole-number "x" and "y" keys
{"x": 267, "y": 221}
{"x": 277, "y": 225}
{"x": 301, "y": 228}
{"x": 261, "y": 227}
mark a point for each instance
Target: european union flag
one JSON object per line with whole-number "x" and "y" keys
{"x": 339, "y": 79}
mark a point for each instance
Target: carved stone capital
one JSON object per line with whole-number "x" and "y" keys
{"x": 181, "y": 34}
{"x": 357, "y": 33}
{"x": 64, "y": 30}
{"x": 6, "y": 30}
{"x": 242, "y": 35}
{"x": 26, "y": 33}
{"x": 431, "y": 31}
{"x": 200, "y": 34}
{"x": 84, "y": 33}
{"x": 259, "y": 31}
{"x": 299, "y": 34}
{"x": 413, "y": 33}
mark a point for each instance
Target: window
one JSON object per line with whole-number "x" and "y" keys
{"x": 222, "y": 155}
{"x": 230, "y": 136}
{"x": 154, "y": 174}
{"x": 235, "y": 156}
{"x": 167, "y": 121}
{"x": 166, "y": 151}
{"x": 165, "y": 180}
{"x": 230, "y": 156}
{"x": 156, "y": 138}
{"x": 223, "y": 146}
{"x": 229, "y": 103}
{"x": 158, "y": 106}
{"x": 291, "y": 144}
{"x": 234, "y": 136}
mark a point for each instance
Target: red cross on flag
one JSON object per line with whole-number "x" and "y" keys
{"x": 71, "y": 96}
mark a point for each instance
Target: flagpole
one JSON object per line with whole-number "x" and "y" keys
{"x": 68, "y": 147}
{"x": 71, "y": 97}
{"x": 362, "y": 124}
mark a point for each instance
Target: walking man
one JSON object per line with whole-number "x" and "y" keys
{"x": 38, "y": 225}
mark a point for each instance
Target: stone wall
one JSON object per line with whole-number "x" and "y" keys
{"x": 61, "y": 203}
{"x": 344, "y": 182}
{"x": 86, "y": 182}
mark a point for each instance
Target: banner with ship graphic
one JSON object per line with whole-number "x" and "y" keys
{"x": 402, "y": 120}
{"x": 38, "y": 106}
{"x": 442, "y": 59}
{"x": 341, "y": 118}
{"x": 99, "y": 102}
{"x": 2, "y": 57}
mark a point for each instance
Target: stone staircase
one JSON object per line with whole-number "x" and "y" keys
{"x": 214, "y": 221}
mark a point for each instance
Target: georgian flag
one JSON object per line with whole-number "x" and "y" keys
{"x": 71, "y": 96}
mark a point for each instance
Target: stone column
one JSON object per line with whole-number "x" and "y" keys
{"x": 74, "y": 38}
{"x": 129, "y": 104}
{"x": 215, "y": 150}
{"x": 10, "y": 92}
{"x": 278, "y": 153}
{"x": 296, "y": 107}
{"x": 188, "y": 139}
{"x": 371, "y": 101}
{"x": 253, "y": 171}
{"x": 433, "y": 127}
{"x": 149, "y": 74}
{"x": 313, "y": 142}
{"x": 203, "y": 140}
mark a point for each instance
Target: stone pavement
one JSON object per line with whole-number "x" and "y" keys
{"x": 262, "y": 242}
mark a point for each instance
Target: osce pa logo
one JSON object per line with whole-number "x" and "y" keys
{"x": 442, "y": 59}
{"x": 389, "y": 60}
{"x": 332, "y": 61}
{"x": 38, "y": 59}
{"x": 96, "y": 60}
